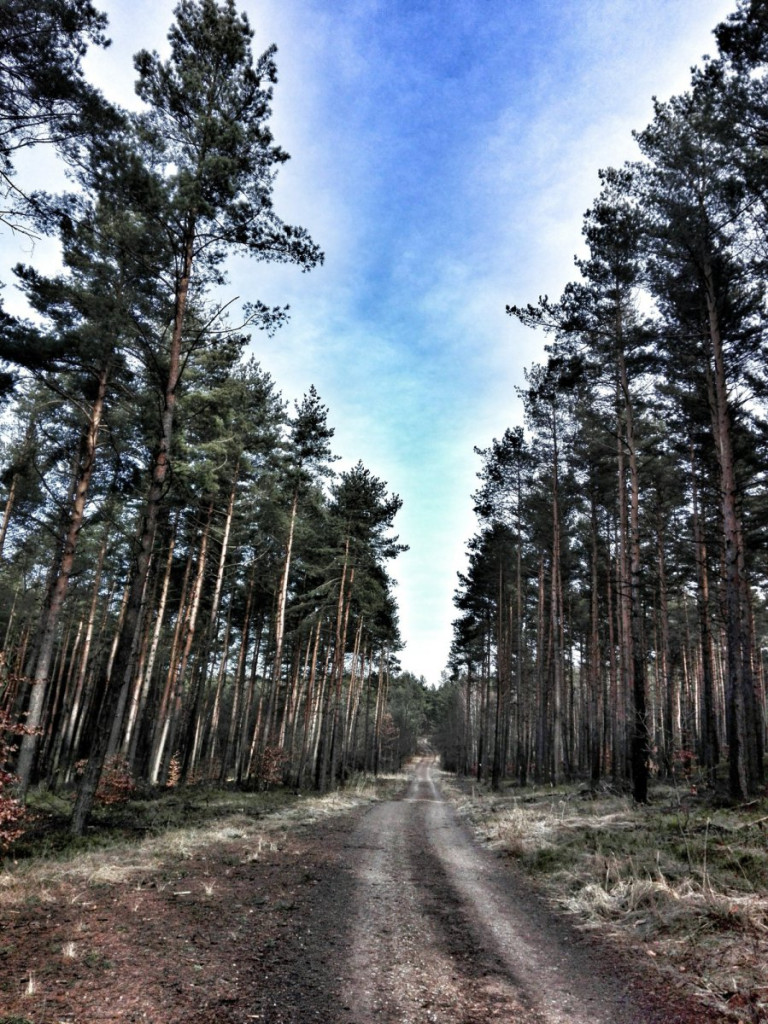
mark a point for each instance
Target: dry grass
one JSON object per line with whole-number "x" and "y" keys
{"x": 144, "y": 843}
{"x": 176, "y": 827}
{"x": 684, "y": 880}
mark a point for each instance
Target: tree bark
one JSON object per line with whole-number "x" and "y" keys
{"x": 112, "y": 684}
{"x": 58, "y": 594}
{"x": 744, "y": 772}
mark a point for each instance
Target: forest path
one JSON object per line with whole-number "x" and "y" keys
{"x": 331, "y": 911}
{"x": 440, "y": 929}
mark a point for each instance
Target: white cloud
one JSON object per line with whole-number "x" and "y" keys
{"x": 443, "y": 155}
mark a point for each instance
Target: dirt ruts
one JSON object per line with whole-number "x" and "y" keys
{"x": 440, "y": 929}
{"x": 388, "y": 912}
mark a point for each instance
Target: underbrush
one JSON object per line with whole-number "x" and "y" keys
{"x": 195, "y": 809}
{"x": 153, "y": 836}
{"x": 682, "y": 877}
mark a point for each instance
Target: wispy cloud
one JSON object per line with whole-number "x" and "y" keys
{"x": 443, "y": 154}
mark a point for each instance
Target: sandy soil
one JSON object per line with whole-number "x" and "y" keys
{"x": 390, "y": 913}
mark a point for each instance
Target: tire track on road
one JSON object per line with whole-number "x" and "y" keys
{"x": 441, "y": 930}
{"x": 410, "y": 958}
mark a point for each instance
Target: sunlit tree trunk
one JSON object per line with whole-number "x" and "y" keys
{"x": 190, "y": 632}
{"x": 144, "y": 683}
{"x": 744, "y": 718}
{"x": 58, "y": 593}
{"x": 555, "y": 621}
{"x": 542, "y": 731}
{"x": 162, "y": 715}
{"x": 353, "y": 696}
{"x": 342, "y": 628}
{"x": 665, "y": 678}
{"x": 310, "y": 709}
{"x": 381, "y": 703}
{"x": 595, "y": 672}
{"x": 640, "y": 746}
{"x": 9, "y": 502}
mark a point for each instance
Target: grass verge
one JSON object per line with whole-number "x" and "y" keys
{"x": 681, "y": 879}
{"x": 127, "y": 840}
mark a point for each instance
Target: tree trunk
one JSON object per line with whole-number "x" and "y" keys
{"x": 595, "y": 670}
{"x": 112, "y": 684}
{"x": 52, "y": 613}
{"x": 744, "y": 772}
{"x": 309, "y": 710}
{"x": 190, "y": 629}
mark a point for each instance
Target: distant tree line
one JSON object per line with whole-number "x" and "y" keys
{"x": 188, "y": 591}
{"x": 612, "y": 620}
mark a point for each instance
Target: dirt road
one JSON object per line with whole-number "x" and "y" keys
{"x": 388, "y": 913}
{"x": 442, "y": 930}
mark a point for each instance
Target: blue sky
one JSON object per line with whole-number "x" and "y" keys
{"x": 443, "y": 153}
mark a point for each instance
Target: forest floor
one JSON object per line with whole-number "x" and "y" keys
{"x": 371, "y": 906}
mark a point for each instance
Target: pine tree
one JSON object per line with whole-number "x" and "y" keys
{"x": 695, "y": 201}
{"x": 44, "y": 97}
{"x": 206, "y": 132}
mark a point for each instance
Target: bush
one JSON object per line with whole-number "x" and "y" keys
{"x": 12, "y": 812}
{"x": 268, "y": 767}
{"x": 116, "y": 784}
